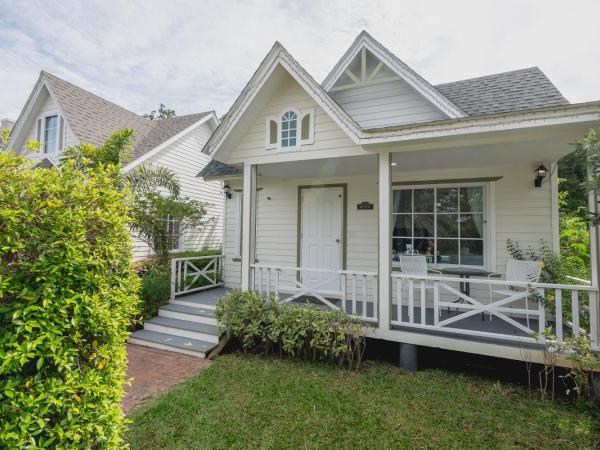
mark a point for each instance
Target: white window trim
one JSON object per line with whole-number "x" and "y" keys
{"x": 43, "y": 132}
{"x": 299, "y": 141}
{"x": 180, "y": 238}
{"x": 489, "y": 217}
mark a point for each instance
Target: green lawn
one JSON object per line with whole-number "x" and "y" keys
{"x": 253, "y": 402}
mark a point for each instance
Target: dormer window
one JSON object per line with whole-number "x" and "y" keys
{"x": 290, "y": 129}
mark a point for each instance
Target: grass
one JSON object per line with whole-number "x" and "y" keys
{"x": 258, "y": 402}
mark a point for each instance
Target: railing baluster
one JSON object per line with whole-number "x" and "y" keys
{"x": 179, "y": 271}
{"x": 277, "y": 271}
{"x": 436, "y": 301}
{"x": 268, "y": 282}
{"x": 364, "y": 307}
{"x": 399, "y": 295}
{"x": 594, "y": 319}
{"x": 559, "y": 315}
{"x": 423, "y": 309}
{"x": 260, "y": 278}
{"x": 542, "y": 312}
{"x": 375, "y": 297}
{"x": 410, "y": 301}
{"x": 354, "y": 294}
{"x": 343, "y": 287}
{"x": 575, "y": 312}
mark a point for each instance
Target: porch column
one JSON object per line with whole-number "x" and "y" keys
{"x": 385, "y": 239}
{"x": 593, "y": 200}
{"x": 248, "y": 223}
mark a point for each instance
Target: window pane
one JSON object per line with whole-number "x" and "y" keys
{"x": 471, "y": 199}
{"x": 50, "y": 134}
{"x": 402, "y": 201}
{"x": 401, "y": 247}
{"x": 447, "y": 251}
{"x": 423, "y": 225}
{"x": 471, "y": 252}
{"x": 424, "y": 200}
{"x": 284, "y": 125}
{"x": 471, "y": 225}
{"x": 292, "y": 142}
{"x": 447, "y": 200}
{"x": 447, "y": 225}
{"x": 425, "y": 247}
{"x": 292, "y": 133}
{"x": 402, "y": 225}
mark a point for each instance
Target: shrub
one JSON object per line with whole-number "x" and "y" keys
{"x": 155, "y": 289}
{"x": 266, "y": 325}
{"x": 67, "y": 297}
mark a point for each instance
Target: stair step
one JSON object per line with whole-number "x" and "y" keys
{"x": 189, "y": 313}
{"x": 184, "y": 328}
{"x": 172, "y": 343}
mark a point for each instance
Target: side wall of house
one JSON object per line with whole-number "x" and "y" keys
{"x": 184, "y": 157}
{"x": 515, "y": 208}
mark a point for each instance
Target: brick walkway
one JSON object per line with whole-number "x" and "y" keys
{"x": 154, "y": 371}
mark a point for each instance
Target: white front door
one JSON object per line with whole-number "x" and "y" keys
{"x": 321, "y": 235}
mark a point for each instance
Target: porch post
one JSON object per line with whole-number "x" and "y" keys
{"x": 385, "y": 239}
{"x": 248, "y": 223}
{"x": 593, "y": 199}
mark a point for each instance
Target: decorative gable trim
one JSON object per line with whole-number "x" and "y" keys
{"x": 365, "y": 41}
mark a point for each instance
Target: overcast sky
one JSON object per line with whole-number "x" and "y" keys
{"x": 197, "y": 56}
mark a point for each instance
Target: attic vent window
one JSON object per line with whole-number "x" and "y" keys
{"x": 290, "y": 129}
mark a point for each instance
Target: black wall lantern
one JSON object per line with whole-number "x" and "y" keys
{"x": 227, "y": 191}
{"x": 540, "y": 173}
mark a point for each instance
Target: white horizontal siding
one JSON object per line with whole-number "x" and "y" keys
{"x": 328, "y": 135}
{"x": 386, "y": 104}
{"x": 185, "y": 158}
{"x": 522, "y": 213}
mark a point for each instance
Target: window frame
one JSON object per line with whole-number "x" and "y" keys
{"x": 177, "y": 246}
{"x": 57, "y": 132}
{"x": 488, "y": 221}
{"x": 300, "y": 114}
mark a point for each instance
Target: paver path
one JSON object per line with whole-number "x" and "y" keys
{"x": 154, "y": 371}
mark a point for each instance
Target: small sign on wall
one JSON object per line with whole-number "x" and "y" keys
{"x": 364, "y": 206}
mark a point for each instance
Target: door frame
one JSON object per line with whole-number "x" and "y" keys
{"x": 344, "y": 187}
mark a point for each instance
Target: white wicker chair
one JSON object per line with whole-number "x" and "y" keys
{"x": 517, "y": 272}
{"x": 417, "y": 265}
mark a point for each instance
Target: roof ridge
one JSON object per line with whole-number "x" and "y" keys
{"x": 480, "y": 77}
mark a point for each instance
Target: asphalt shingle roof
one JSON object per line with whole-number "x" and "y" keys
{"x": 216, "y": 169}
{"x": 503, "y": 92}
{"x": 93, "y": 118}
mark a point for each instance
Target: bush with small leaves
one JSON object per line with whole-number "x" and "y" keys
{"x": 67, "y": 298}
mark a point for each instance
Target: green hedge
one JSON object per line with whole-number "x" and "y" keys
{"x": 266, "y": 325}
{"x": 67, "y": 297}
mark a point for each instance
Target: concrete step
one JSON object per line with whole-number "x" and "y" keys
{"x": 172, "y": 343}
{"x": 184, "y": 328}
{"x": 190, "y": 313}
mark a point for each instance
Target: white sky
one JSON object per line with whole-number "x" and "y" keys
{"x": 197, "y": 56}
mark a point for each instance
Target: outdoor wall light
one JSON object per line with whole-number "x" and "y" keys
{"x": 540, "y": 173}
{"x": 227, "y": 191}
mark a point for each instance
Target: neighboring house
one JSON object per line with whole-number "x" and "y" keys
{"x": 59, "y": 114}
{"x": 6, "y": 124}
{"x": 332, "y": 185}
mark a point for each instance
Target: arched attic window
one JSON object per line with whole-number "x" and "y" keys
{"x": 289, "y": 129}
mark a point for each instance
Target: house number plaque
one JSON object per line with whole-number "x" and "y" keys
{"x": 364, "y": 206}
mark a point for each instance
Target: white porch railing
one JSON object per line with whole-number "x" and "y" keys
{"x": 195, "y": 273}
{"x": 354, "y": 292}
{"x": 435, "y": 303}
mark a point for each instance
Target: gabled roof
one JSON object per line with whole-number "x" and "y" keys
{"x": 503, "y": 92}
{"x": 416, "y": 81}
{"x": 92, "y": 118}
{"x": 279, "y": 56}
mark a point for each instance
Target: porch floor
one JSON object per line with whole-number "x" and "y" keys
{"x": 472, "y": 323}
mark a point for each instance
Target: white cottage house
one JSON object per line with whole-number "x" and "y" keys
{"x": 332, "y": 190}
{"x": 59, "y": 114}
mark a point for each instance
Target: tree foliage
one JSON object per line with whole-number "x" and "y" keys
{"x": 67, "y": 298}
{"x": 162, "y": 113}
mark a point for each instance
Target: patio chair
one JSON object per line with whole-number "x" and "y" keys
{"x": 517, "y": 271}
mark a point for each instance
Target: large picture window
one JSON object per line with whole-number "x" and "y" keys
{"x": 445, "y": 224}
